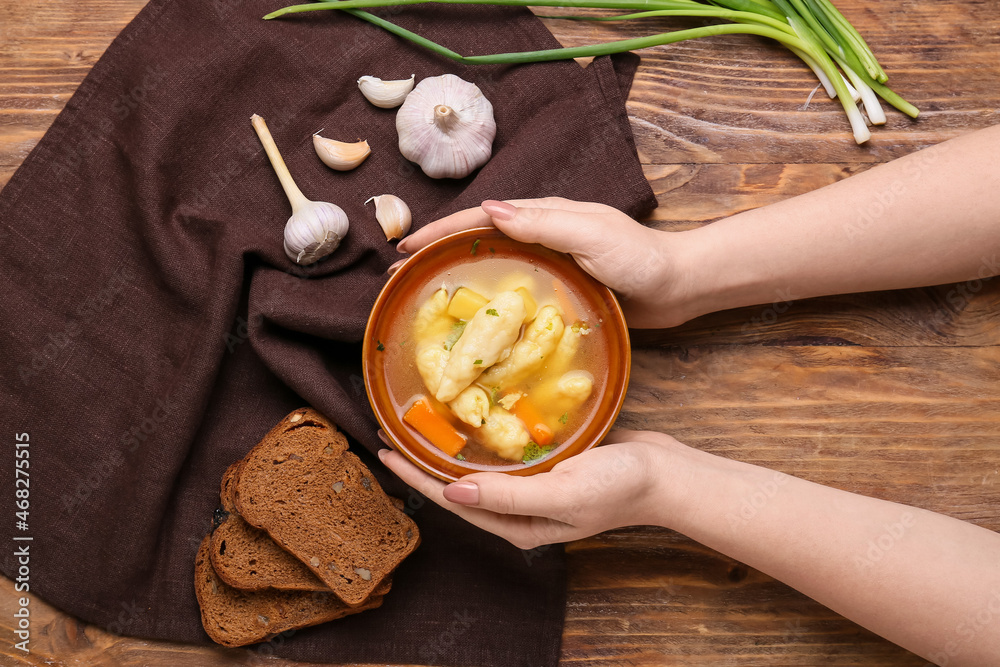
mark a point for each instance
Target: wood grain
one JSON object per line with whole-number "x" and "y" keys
{"x": 892, "y": 394}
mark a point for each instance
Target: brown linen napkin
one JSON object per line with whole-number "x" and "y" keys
{"x": 154, "y": 330}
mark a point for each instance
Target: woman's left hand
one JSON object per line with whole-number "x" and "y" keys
{"x": 607, "y": 487}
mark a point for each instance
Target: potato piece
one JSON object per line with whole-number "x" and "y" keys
{"x": 465, "y": 303}
{"x": 512, "y": 281}
{"x": 504, "y": 433}
{"x": 539, "y": 341}
{"x": 487, "y": 339}
{"x": 472, "y": 406}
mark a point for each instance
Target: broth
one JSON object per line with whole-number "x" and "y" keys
{"x": 488, "y": 273}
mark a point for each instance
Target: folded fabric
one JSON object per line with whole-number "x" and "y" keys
{"x": 154, "y": 329}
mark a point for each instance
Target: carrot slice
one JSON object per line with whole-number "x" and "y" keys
{"x": 540, "y": 432}
{"x": 566, "y": 309}
{"x": 432, "y": 425}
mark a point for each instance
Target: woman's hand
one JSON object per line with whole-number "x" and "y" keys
{"x": 639, "y": 263}
{"x": 614, "y": 485}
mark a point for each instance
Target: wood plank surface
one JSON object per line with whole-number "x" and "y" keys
{"x": 892, "y": 394}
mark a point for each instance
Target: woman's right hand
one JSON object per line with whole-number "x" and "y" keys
{"x": 638, "y": 263}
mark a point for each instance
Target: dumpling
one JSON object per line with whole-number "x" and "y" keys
{"x": 433, "y": 323}
{"x": 472, "y": 406}
{"x": 575, "y": 386}
{"x": 505, "y": 434}
{"x": 563, "y": 395}
{"x": 430, "y": 330}
{"x": 431, "y": 360}
{"x": 539, "y": 341}
{"x": 488, "y": 338}
{"x": 559, "y": 361}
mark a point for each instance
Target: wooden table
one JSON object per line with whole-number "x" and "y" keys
{"x": 893, "y": 394}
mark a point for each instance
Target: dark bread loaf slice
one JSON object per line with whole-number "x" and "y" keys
{"x": 319, "y": 502}
{"x": 247, "y": 558}
{"x": 232, "y": 617}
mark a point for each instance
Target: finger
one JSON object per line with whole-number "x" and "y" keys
{"x": 518, "y": 530}
{"x": 477, "y": 217}
{"x": 559, "y": 203}
{"x": 456, "y": 222}
{"x": 625, "y": 435}
{"x": 535, "y": 495}
{"x": 574, "y": 232}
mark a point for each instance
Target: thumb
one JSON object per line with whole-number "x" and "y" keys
{"x": 556, "y": 228}
{"x": 504, "y": 494}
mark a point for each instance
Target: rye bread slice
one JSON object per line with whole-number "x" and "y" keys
{"x": 232, "y": 617}
{"x": 318, "y": 501}
{"x": 247, "y": 558}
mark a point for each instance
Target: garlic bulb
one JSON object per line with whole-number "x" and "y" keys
{"x": 386, "y": 94}
{"x": 446, "y": 126}
{"x": 393, "y": 215}
{"x": 316, "y": 227}
{"x": 340, "y": 155}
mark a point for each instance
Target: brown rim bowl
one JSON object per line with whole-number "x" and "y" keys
{"x": 429, "y": 266}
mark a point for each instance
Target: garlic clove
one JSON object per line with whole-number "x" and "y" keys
{"x": 314, "y": 231}
{"x": 446, "y": 126}
{"x": 340, "y": 155}
{"x": 393, "y": 215}
{"x": 386, "y": 94}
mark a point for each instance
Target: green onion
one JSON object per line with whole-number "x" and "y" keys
{"x": 812, "y": 29}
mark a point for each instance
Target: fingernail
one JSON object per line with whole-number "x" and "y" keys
{"x": 394, "y": 267}
{"x": 382, "y": 453}
{"x": 383, "y": 437}
{"x": 463, "y": 493}
{"x": 402, "y": 247}
{"x": 500, "y": 210}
